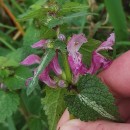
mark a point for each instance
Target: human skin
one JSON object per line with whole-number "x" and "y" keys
{"x": 117, "y": 78}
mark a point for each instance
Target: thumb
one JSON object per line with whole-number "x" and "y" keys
{"x": 97, "y": 125}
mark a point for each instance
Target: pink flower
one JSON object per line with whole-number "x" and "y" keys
{"x": 76, "y": 42}
{"x": 31, "y": 59}
{"x": 99, "y": 61}
{"x": 75, "y": 58}
{"x": 107, "y": 45}
{"x": 44, "y": 76}
{"x": 76, "y": 64}
{"x": 40, "y": 44}
{"x": 55, "y": 67}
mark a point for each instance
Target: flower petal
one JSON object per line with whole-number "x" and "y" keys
{"x": 98, "y": 61}
{"x": 54, "y": 65}
{"x": 40, "y": 44}
{"x": 44, "y": 77}
{"x": 107, "y": 45}
{"x": 31, "y": 59}
{"x": 76, "y": 65}
{"x": 76, "y": 42}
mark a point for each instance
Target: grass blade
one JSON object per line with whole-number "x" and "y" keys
{"x": 117, "y": 17}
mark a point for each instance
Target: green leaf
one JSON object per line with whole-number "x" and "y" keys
{"x": 94, "y": 101}
{"x": 31, "y": 36}
{"x": 117, "y": 18}
{"x": 36, "y": 124}
{"x": 72, "y": 7}
{"x": 29, "y": 101}
{"x": 35, "y": 11}
{"x": 7, "y": 62}
{"x": 60, "y": 45}
{"x": 54, "y": 105}
{"x": 47, "y": 33}
{"x": 59, "y": 21}
{"x": 44, "y": 62}
{"x": 8, "y": 104}
{"x": 18, "y": 79}
{"x": 16, "y": 55}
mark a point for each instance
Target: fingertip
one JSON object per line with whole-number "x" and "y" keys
{"x": 64, "y": 118}
{"x": 117, "y": 76}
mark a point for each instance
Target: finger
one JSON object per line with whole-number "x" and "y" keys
{"x": 117, "y": 76}
{"x": 124, "y": 109}
{"x": 64, "y": 118}
{"x": 97, "y": 125}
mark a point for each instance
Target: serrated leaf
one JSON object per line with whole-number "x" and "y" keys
{"x": 93, "y": 102}
{"x": 36, "y": 124}
{"x": 35, "y": 11}
{"x": 72, "y": 7}
{"x": 30, "y": 14}
{"x": 58, "y": 21}
{"x": 44, "y": 62}
{"x": 60, "y": 45}
{"x": 8, "y": 104}
{"x": 54, "y": 105}
{"x": 16, "y": 55}
{"x": 7, "y": 62}
{"x": 47, "y": 33}
{"x": 29, "y": 101}
{"x": 18, "y": 79}
{"x": 31, "y": 36}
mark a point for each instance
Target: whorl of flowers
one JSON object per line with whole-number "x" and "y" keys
{"x": 74, "y": 59}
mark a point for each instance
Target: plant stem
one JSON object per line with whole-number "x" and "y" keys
{"x": 67, "y": 68}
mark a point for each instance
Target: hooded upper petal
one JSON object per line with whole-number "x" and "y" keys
{"x": 40, "y": 44}
{"x": 98, "y": 61}
{"x": 76, "y": 42}
{"x": 31, "y": 59}
{"x": 107, "y": 45}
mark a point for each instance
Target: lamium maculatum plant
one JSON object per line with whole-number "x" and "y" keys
{"x": 83, "y": 93}
{"x": 51, "y": 58}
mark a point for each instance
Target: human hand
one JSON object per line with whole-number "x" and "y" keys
{"x": 117, "y": 78}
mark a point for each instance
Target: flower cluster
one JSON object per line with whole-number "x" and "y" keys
{"x": 74, "y": 59}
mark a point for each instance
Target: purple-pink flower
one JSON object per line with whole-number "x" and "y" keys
{"x": 99, "y": 61}
{"x": 40, "y": 44}
{"x": 30, "y": 60}
{"x": 52, "y": 66}
{"x": 74, "y": 57}
{"x": 76, "y": 64}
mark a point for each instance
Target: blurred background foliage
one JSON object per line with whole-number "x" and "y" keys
{"x": 23, "y": 22}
